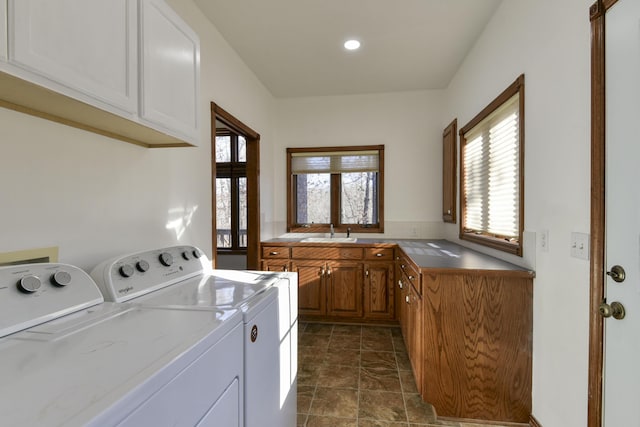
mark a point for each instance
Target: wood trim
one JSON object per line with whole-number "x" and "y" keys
{"x": 253, "y": 182}
{"x": 533, "y": 422}
{"x": 514, "y": 248}
{"x": 294, "y": 227}
{"x": 597, "y": 283}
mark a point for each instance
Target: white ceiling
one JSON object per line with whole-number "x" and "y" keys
{"x": 295, "y": 46}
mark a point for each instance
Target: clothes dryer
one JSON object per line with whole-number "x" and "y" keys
{"x": 181, "y": 277}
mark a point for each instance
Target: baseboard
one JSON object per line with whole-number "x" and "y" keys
{"x": 533, "y": 422}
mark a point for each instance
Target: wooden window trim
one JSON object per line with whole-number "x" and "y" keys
{"x": 517, "y": 87}
{"x": 294, "y": 227}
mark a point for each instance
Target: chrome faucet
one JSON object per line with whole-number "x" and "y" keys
{"x": 331, "y": 228}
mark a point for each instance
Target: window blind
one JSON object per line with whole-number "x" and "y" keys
{"x": 335, "y": 162}
{"x": 492, "y": 175}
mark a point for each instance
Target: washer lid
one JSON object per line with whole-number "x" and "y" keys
{"x": 69, "y": 371}
{"x": 207, "y": 291}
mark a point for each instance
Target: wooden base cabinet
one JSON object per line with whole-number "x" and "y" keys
{"x": 329, "y": 288}
{"x": 478, "y": 345}
{"x": 378, "y": 291}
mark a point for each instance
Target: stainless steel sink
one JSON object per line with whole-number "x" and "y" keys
{"x": 329, "y": 240}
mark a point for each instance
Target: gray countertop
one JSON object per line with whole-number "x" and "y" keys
{"x": 434, "y": 253}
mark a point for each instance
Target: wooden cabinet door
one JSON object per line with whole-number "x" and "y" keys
{"x": 311, "y": 287}
{"x": 415, "y": 336}
{"x": 449, "y": 181}
{"x": 89, "y": 46}
{"x": 3, "y": 30}
{"x": 344, "y": 289}
{"x": 378, "y": 291}
{"x": 170, "y": 67}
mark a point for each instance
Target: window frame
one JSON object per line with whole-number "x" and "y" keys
{"x": 294, "y": 227}
{"x": 484, "y": 238}
{"x": 233, "y": 170}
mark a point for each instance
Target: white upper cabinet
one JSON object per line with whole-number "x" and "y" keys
{"x": 87, "y": 45}
{"x": 126, "y": 69}
{"x": 170, "y": 70}
{"x": 3, "y": 30}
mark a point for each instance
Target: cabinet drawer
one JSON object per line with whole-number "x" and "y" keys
{"x": 321, "y": 252}
{"x": 410, "y": 274}
{"x": 381, "y": 254}
{"x": 275, "y": 252}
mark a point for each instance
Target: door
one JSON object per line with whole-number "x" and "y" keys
{"x": 622, "y": 213}
{"x": 378, "y": 290}
{"x": 344, "y": 289}
{"x": 311, "y": 288}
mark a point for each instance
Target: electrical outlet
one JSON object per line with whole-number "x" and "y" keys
{"x": 580, "y": 245}
{"x": 543, "y": 235}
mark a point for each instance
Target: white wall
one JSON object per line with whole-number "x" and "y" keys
{"x": 407, "y": 123}
{"x": 548, "y": 41}
{"x": 95, "y": 197}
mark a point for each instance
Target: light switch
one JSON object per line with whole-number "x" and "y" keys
{"x": 580, "y": 245}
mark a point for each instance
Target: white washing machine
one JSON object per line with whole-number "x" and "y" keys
{"x": 181, "y": 277}
{"x": 69, "y": 359}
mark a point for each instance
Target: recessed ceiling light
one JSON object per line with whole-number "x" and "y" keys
{"x": 352, "y": 44}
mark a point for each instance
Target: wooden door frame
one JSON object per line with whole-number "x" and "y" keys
{"x": 597, "y": 14}
{"x": 253, "y": 182}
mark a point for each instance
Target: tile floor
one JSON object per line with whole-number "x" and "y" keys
{"x": 358, "y": 376}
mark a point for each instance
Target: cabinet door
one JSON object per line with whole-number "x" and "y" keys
{"x": 311, "y": 289}
{"x": 89, "y": 46}
{"x": 378, "y": 291}
{"x": 449, "y": 181}
{"x": 416, "y": 336}
{"x": 344, "y": 289}
{"x": 170, "y": 67}
{"x": 3, "y": 30}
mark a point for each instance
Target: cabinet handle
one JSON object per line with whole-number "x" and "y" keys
{"x": 274, "y": 253}
{"x": 402, "y": 266}
{"x": 400, "y": 284}
{"x": 322, "y": 272}
{"x": 406, "y": 298}
{"x": 286, "y": 268}
{"x": 411, "y": 277}
{"x": 378, "y": 255}
{"x": 366, "y": 273}
{"x": 329, "y": 271}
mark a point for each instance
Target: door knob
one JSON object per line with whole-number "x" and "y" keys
{"x": 615, "y": 310}
{"x": 617, "y": 273}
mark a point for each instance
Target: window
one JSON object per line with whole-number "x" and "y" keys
{"x": 492, "y": 170}
{"x": 231, "y": 192}
{"x": 342, "y": 186}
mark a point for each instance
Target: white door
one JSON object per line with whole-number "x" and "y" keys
{"x": 622, "y": 337}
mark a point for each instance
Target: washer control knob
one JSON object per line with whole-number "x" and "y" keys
{"x": 186, "y": 255}
{"x": 126, "y": 270}
{"x": 29, "y": 284}
{"x": 142, "y": 266}
{"x": 61, "y": 278}
{"x": 166, "y": 259}
{"x": 197, "y": 253}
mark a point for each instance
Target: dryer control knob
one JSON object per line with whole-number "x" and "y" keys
{"x": 142, "y": 266}
{"x": 61, "y": 278}
{"x": 197, "y": 253}
{"x": 166, "y": 259}
{"x": 126, "y": 270}
{"x": 186, "y": 255}
{"x": 29, "y": 284}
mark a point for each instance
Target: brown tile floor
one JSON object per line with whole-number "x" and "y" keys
{"x": 358, "y": 376}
